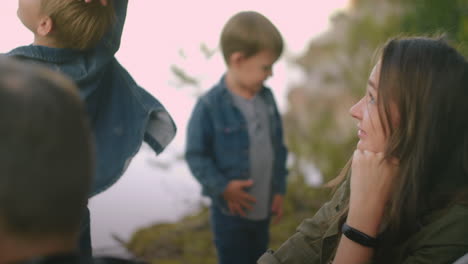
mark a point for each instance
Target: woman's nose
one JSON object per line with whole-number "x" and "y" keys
{"x": 355, "y": 110}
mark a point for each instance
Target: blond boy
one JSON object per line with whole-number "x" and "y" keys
{"x": 79, "y": 39}
{"x": 235, "y": 143}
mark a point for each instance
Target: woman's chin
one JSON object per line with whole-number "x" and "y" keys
{"x": 363, "y": 146}
{"x": 360, "y": 145}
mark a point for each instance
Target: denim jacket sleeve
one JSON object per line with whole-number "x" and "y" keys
{"x": 280, "y": 170}
{"x": 110, "y": 43}
{"x": 199, "y": 152}
{"x": 315, "y": 239}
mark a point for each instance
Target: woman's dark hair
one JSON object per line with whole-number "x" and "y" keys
{"x": 427, "y": 80}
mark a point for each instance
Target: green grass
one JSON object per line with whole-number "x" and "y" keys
{"x": 190, "y": 240}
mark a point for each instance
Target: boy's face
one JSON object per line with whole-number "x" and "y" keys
{"x": 251, "y": 72}
{"x": 29, "y": 12}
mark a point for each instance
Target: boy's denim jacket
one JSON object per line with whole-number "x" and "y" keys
{"x": 121, "y": 113}
{"x": 217, "y": 148}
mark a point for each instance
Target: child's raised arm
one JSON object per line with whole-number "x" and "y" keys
{"x": 110, "y": 43}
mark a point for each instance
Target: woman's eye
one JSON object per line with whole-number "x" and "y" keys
{"x": 371, "y": 99}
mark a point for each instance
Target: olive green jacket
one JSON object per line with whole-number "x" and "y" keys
{"x": 443, "y": 238}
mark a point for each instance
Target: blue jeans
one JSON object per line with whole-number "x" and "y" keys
{"x": 239, "y": 240}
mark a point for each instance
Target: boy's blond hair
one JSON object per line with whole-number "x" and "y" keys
{"x": 76, "y": 24}
{"x": 250, "y": 32}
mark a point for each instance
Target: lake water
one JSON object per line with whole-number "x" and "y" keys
{"x": 153, "y": 190}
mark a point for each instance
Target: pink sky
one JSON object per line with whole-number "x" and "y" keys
{"x": 155, "y": 32}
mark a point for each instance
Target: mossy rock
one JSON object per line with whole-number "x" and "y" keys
{"x": 191, "y": 240}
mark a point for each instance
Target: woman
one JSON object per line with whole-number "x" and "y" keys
{"x": 404, "y": 201}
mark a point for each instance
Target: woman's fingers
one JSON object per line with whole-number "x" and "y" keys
{"x": 372, "y": 177}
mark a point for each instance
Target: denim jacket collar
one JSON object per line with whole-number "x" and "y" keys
{"x": 45, "y": 54}
{"x": 227, "y": 96}
{"x": 67, "y": 59}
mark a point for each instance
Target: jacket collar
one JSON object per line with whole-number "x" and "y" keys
{"x": 45, "y": 54}
{"x": 227, "y": 94}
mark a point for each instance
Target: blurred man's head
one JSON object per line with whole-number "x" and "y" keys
{"x": 46, "y": 159}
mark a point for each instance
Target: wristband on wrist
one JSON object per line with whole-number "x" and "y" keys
{"x": 358, "y": 236}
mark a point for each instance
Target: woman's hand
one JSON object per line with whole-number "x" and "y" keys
{"x": 372, "y": 179}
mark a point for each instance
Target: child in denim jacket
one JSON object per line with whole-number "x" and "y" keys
{"x": 80, "y": 39}
{"x": 235, "y": 145}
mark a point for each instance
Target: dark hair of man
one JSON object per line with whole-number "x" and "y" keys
{"x": 46, "y": 155}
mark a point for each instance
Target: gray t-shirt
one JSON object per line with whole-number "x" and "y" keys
{"x": 255, "y": 112}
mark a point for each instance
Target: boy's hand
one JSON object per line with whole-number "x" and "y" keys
{"x": 277, "y": 208}
{"x": 103, "y": 2}
{"x": 237, "y": 209}
{"x": 237, "y": 198}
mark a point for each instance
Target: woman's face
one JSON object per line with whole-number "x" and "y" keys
{"x": 371, "y": 131}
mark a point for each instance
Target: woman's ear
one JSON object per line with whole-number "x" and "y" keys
{"x": 45, "y": 26}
